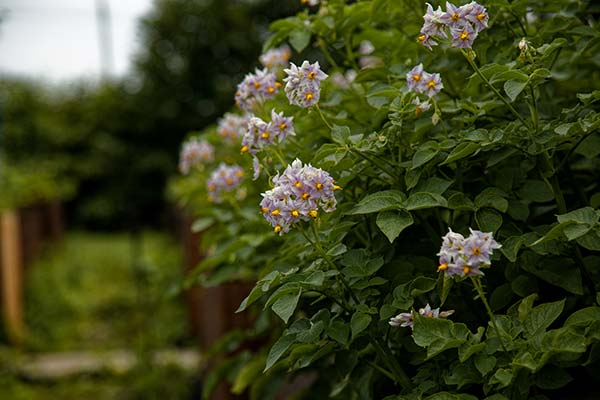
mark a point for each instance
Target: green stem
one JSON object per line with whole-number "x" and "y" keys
{"x": 374, "y": 161}
{"x": 558, "y": 195}
{"x": 477, "y": 283}
{"x": 533, "y": 109}
{"x": 400, "y": 376}
{"x": 323, "y": 117}
{"x": 382, "y": 370}
{"x": 279, "y": 156}
{"x": 326, "y": 53}
{"x": 487, "y": 82}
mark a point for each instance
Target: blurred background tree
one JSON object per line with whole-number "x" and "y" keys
{"x": 118, "y": 141}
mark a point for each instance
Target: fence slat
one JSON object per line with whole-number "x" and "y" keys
{"x": 11, "y": 268}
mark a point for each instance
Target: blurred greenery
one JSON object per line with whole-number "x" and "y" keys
{"x": 101, "y": 292}
{"x": 118, "y": 141}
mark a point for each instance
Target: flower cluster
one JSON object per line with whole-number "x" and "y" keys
{"x": 255, "y": 88}
{"x": 462, "y": 23}
{"x": 408, "y": 319}
{"x": 194, "y": 152}
{"x": 224, "y": 179}
{"x": 311, "y": 3}
{"x": 420, "y": 81}
{"x": 297, "y": 196}
{"x": 232, "y": 126}
{"x": 260, "y": 133}
{"x": 303, "y": 84}
{"x": 466, "y": 256}
{"x": 275, "y": 58}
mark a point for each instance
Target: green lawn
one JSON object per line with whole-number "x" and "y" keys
{"x": 101, "y": 292}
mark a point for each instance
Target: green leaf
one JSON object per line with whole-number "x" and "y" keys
{"x": 492, "y": 197}
{"x": 285, "y": 305}
{"x": 590, "y": 240}
{"x": 542, "y": 316}
{"x": 560, "y": 272}
{"x": 278, "y": 349}
{"x": 488, "y": 220}
{"x": 299, "y": 39}
{"x": 420, "y": 200}
{"x": 393, "y": 223}
{"x": 461, "y": 151}
{"x": 379, "y": 201}
{"x": 552, "y": 377}
{"x": 586, "y": 215}
{"x": 359, "y": 322}
{"x": 358, "y": 265}
{"x": 450, "y": 396}
{"x": 590, "y": 146}
{"x": 484, "y": 363}
{"x": 502, "y": 376}
{"x": 338, "y": 331}
{"x": 513, "y": 88}
{"x": 438, "y": 335}
{"x": 201, "y": 224}
{"x": 423, "y": 155}
{"x": 249, "y": 372}
{"x": 584, "y": 317}
{"x": 340, "y": 134}
{"x": 535, "y": 191}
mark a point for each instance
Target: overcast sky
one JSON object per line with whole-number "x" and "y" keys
{"x": 58, "y": 39}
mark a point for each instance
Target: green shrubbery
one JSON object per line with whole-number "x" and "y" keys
{"x": 509, "y": 146}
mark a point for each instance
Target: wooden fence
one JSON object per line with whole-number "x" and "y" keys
{"x": 23, "y": 232}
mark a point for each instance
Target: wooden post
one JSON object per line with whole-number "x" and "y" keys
{"x": 11, "y": 270}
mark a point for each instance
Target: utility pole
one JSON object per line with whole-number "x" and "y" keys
{"x": 105, "y": 46}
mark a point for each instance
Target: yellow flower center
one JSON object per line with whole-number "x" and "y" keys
{"x": 476, "y": 251}
{"x": 431, "y": 84}
{"x": 464, "y": 36}
{"x": 239, "y": 174}
{"x": 443, "y": 267}
{"x": 298, "y": 184}
{"x": 313, "y": 213}
{"x": 336, "y": 187}
{"x": 421, "y": 38}
{"x": 265, "y": 135}
{"x": 282, "y": 126}
{"x": 430, "y": 315}
{"x": 257, "y": 84}
{"x": 305, "y": 196}
{"x": 229, "y": 181}
{"x": 455, "y": 17}
{"x": 311, "y": 75}
{"x": 466, "y": 269}
{"x": 309, "y": 96}
{"x": 244, "y": 149}
{"x": 211, "y": 187}
{"x": 277, "y": 229}
{"x": 263, "y": 210}
{"x": 295, "y": 213}
{"x": 275, "y": 212}
{"x": 416, "y": 77}
{"x": 319, "y": 186}
{"x": 277, "y": 84}
{"x": 271, "y": 90}
{"x": 481, "y": 17}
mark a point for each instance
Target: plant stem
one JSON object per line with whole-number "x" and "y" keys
{"x": 323, "y": 117}
{"x": 487, "y": 82}
{"x": 382, "y": 370}
{"x": 374, "y": 161}
{"x": 279, "y": 156}
{"x": 535, "y": 117}
{"x": 477, "y": 283}
{"x": 400, "y": 376}
{"x": 326, "y": 53}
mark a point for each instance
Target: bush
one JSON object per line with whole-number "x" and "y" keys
{"x": 504, "y": 141}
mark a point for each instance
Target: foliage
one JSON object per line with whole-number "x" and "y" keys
{"x": 510, "y": 146}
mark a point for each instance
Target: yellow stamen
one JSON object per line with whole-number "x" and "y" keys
{"x": 264, "y": 210}
{"x": 313, "y": 213}
{"x": 277, "y": 229}
{"x": 466, "y": 269}
{"x": 265, "y": 135}
{"x": 275, "y": 212}
{"x": 211, "y": 187}
{"x": 239, "y": 174}
{"x": 319, "y": 186}
{"x": 455, "y": 17}
{"x": 464, "y": 36}
{"x": 298, "y": 184}
{"x": 416, "y": 77}
{"x": 244, "y": 149}
{"x": 295, "y": 213}
{"x": 282, "y": 126}
{"x": 311, "y": 75}
{"x": 309, "y": 96}
{"x": 277, "y": 84}
{"x": 476, "y": 251}
{"x": 336, "y": 187}
{"x": 481, "y": 17}
{"x": 256, "y": 85}
{"x": 305, "y": 196}
{"x": 229, "y": 181}
{"x": 443, "y": 267}
{"x": 430, "y": 315}
{"x": 421, "y": 38}
{"x": 431, "y": 84}
{"x": 271, "y": 90}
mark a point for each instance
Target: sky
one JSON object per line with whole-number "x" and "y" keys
{"x": 57, "y": 40}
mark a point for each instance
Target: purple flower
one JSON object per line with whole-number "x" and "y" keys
{"x": 260, "y": 134}
{"x": 426, "y": 40}
{"x": 366, "y": 47}
{"x": 421, "y": 106}
{"x": 232, "y": 126}
{"x": 311, "y": 3}
{"x": 454, "y": 16}
{"x": 224, "y": 179}
{"x": 408, "y": 319}
{"x": 414, "y": 78}
{"x": 282, "y": 126}
{"x": 193, "y": 152}
{"x": 463, "y": 36}
{"x": 303, "y": 84}
{"x": 477, "y": 15}
{"x": 298, "y": 194}
{"x": 275, "y": 58}
{"x": 431, "y": 84}
{"x": 255, "y": 89}
{"x": 465, "y": 256}
{"x": 434, "y": 23}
